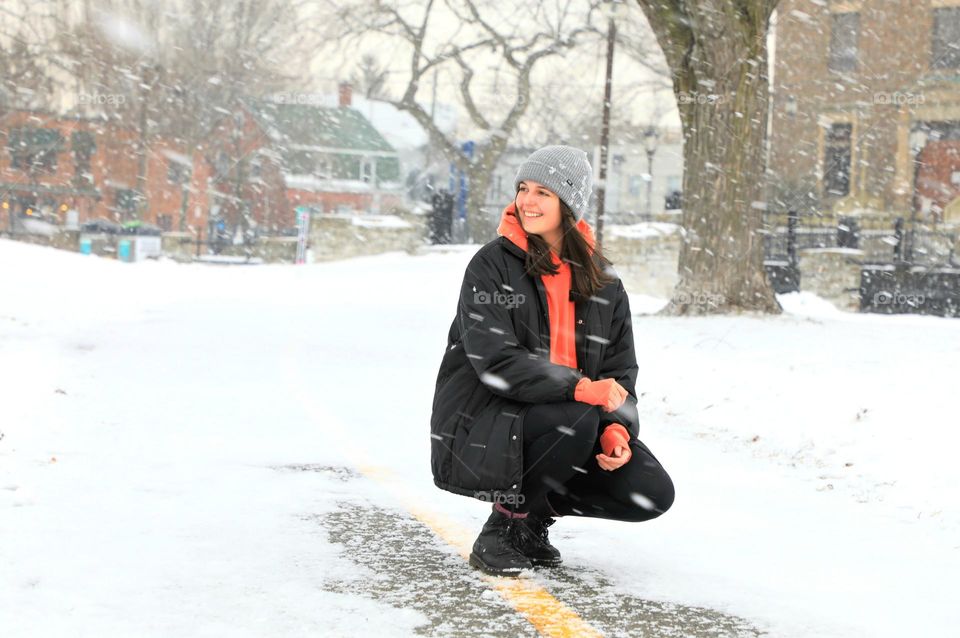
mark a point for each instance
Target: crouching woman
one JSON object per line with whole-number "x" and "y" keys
{"x": 535, "y": 407}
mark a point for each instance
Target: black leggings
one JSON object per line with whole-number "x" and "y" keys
{"x": 561, "y": 476}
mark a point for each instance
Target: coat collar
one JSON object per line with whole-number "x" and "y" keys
{"x": 510, "y": 228}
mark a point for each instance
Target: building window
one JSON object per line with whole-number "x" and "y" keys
{"x": 946, "y": 38}
{"x": 300, "y": 163}
{"x": 165, "y": 222}
{"x": 366, "y": 171}
{"x": 324, "y": 168}
{"x": 24, "y": 205}
{"x": 125, "y": 201}
{"x": 942, "y": 131}
{"x": 34, "y": 149}
{"x": 83, "y": 145}
{"x": 221, "y": 166}
{"x": 844, "y": 34}
{"x": 836, "y": 160}
{"x": 177, "y": 172}
{"x": 636, "y": 182}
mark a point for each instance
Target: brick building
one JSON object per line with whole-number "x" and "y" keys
{"x": 865, "y": 114}
{"x": 253, "y": 169}
{"x": 51, "y": 165}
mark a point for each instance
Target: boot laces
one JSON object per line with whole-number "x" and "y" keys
{"x": 512, "y": 532}
{"x": 540, "y": 525}
{"x": 528, "y": 530}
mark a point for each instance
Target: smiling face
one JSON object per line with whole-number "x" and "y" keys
{"x": 538, "y": 209}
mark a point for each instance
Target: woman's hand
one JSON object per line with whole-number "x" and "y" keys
{"x": 606, "y": 393}
{"x": 619, "y": 458}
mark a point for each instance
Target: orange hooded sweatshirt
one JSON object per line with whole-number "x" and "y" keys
{"x": 563, "y": 344}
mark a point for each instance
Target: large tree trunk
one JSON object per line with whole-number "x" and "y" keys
{"x": 717, "y": 53}
{"x": 481, "y": 223}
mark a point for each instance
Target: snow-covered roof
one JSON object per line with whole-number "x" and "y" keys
{"x": 399, "y": 127}
{"x": 318, "y": 184}
{"x": 330, "y": 127}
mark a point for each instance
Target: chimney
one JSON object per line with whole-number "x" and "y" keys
{"x": 346, "y": 94}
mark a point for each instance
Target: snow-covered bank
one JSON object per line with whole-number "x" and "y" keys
{"x": 146, "y": 405}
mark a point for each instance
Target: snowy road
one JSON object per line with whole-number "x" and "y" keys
{"x": 196, "y": 450}
{"x": 410, "y": 568}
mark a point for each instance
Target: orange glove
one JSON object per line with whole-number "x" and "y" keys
{"x": 606, "y": 393}
{"x": 614, "y": 435}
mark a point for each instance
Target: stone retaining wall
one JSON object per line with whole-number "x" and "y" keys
{"x": 834, "y": 274}
{"x": 341, "y": 236}
{"x": 645, "y": 255}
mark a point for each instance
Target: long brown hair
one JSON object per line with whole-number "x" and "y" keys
{"x": 588, "y": 272}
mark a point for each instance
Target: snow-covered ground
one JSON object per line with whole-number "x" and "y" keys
{"x": 154, "y": 415}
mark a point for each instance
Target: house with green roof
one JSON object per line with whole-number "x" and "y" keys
{"x": 328, "y": 159}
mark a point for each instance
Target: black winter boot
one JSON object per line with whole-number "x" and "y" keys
{"x": 495, "y": 551}
{"x": 533, "y": 542}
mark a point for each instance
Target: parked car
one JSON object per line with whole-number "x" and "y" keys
{"x": 137, "y": 227}
{"x": 101, "y": 225}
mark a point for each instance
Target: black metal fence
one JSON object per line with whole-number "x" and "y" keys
{"x": 902, "y": 242}
{"x": 904, "y": 289}
{"x": 904, "y": 269}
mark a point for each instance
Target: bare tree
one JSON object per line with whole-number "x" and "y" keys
{"x": 175, "y": 69}
{"x": 569, "y": 112}
{"x": 198, "y": 57}
{"x": 24, "y": 78}
{"x": 467, "y": 35}
{"x": 370, "y": 77}
{"x": 717, "y": 53}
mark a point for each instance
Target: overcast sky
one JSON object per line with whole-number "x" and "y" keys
{"x": 580, "y": 73}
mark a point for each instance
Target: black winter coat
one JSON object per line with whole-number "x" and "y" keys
{"x": 497, "y": 364}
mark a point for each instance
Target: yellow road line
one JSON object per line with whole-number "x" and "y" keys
{"x": 548, "y": 615}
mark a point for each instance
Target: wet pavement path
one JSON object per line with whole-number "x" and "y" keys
{"x": 415, "y": 569}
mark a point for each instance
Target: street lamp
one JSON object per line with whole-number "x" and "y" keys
{"x": 651, "y": 137}
{"x": 614, "y": 179}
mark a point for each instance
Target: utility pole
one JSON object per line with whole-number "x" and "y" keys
{"x": 150, "y": 76}
{"x": 184, "y": 201}
{"x": 433, "y": 108}
{"x": 605, "y": 129}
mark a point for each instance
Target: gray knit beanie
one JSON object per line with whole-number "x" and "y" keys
{"x": 563, "y": 169}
